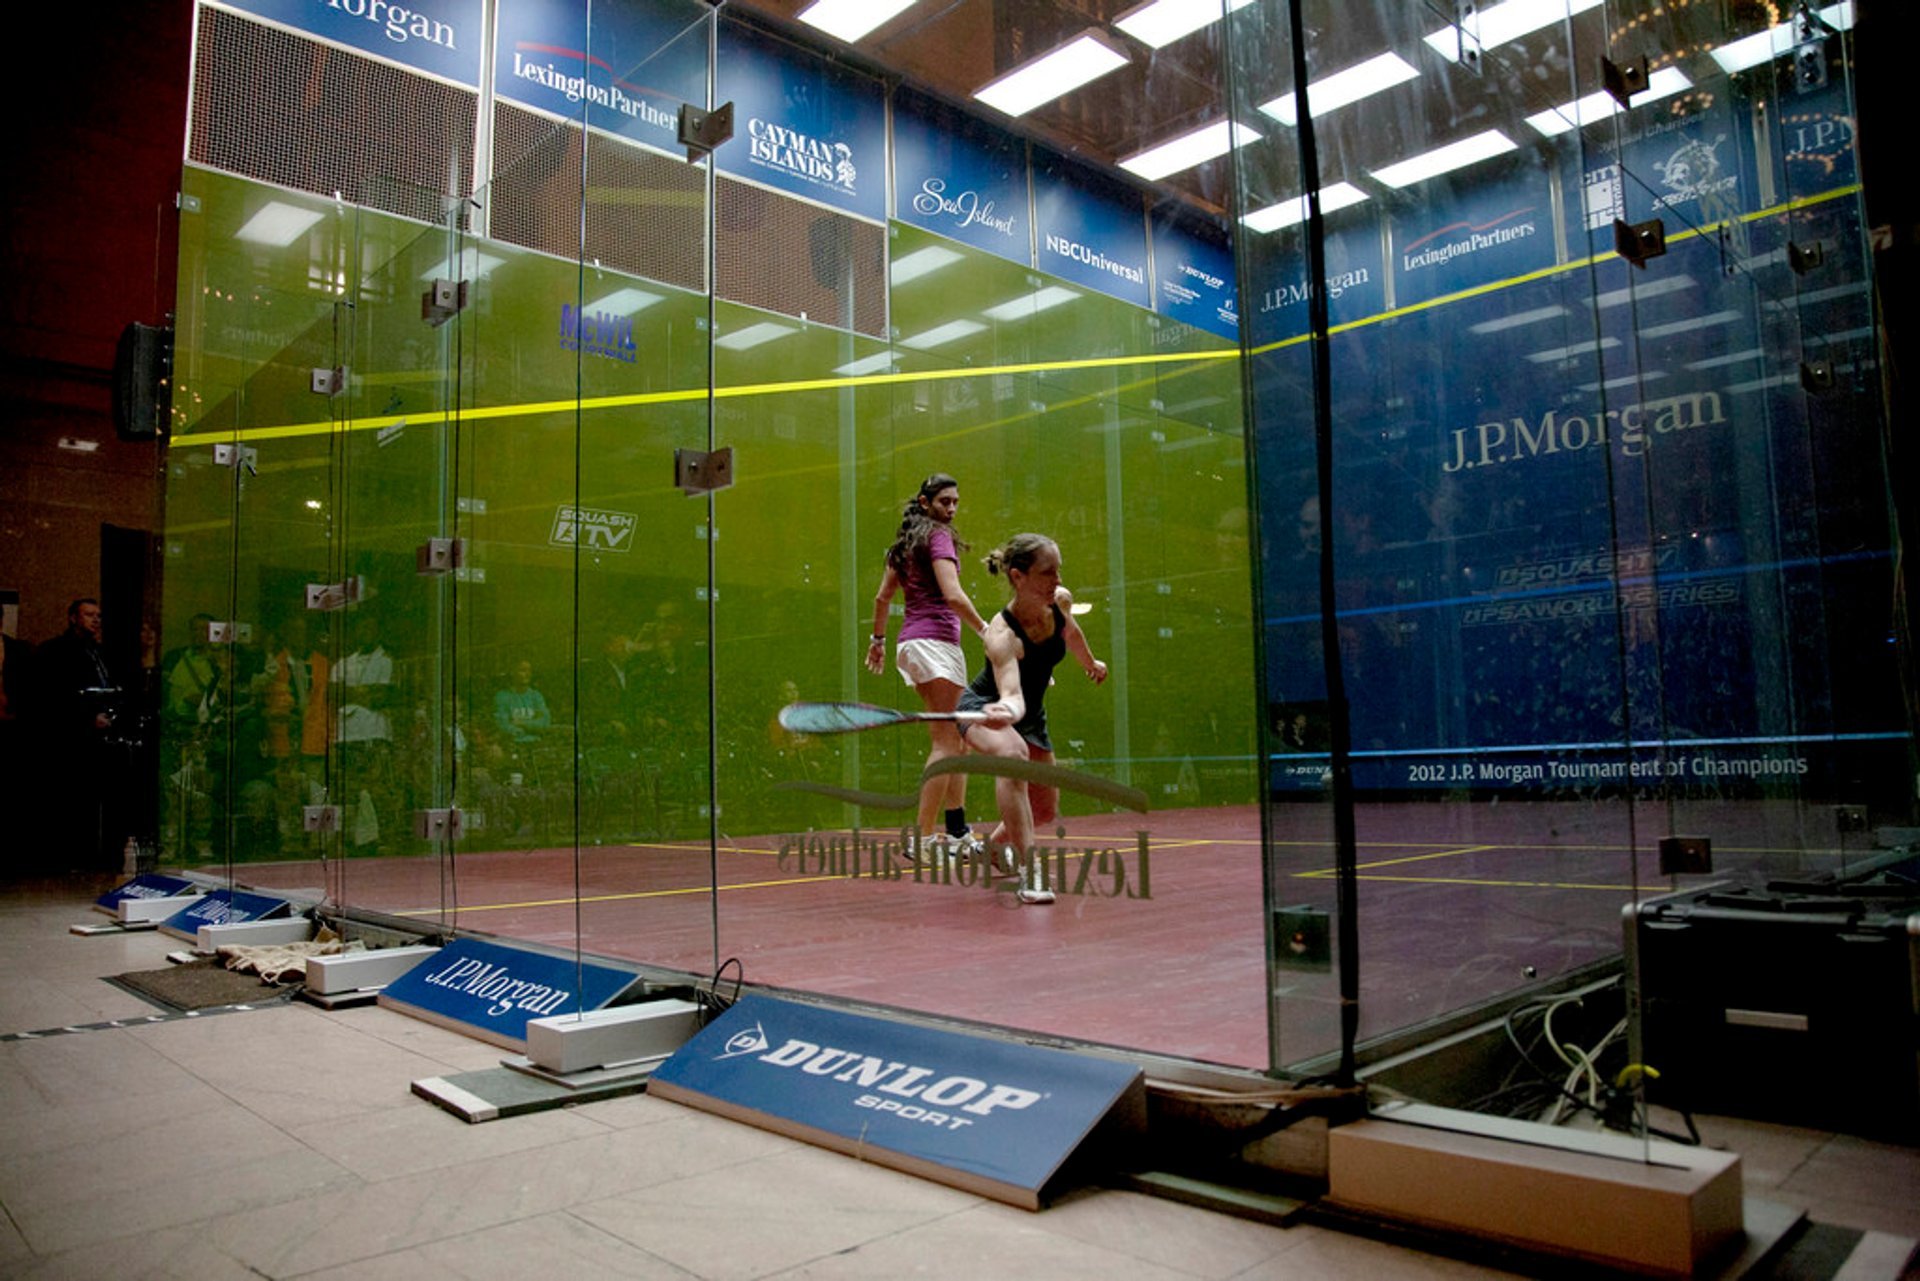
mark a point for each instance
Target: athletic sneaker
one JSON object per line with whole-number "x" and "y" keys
{"x": 969, "y": 848}
{"x": 1033, "y": 890}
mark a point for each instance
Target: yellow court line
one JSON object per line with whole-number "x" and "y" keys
{"x": 1411, "y": 858}
{"x": 621, "y": 898}
{"x": 1487, "y": 884}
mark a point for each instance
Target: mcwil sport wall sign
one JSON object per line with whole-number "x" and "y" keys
{"x": 992, "y": 1117}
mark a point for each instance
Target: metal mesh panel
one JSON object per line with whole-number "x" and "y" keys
{"x": 275, "y": 106}
{"x": 800, "y": 260}
{"x": 645, "y": 212}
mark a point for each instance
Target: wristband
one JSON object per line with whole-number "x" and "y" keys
{"x": 878, "y": 640}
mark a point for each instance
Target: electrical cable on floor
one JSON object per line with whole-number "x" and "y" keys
{"x": 708, "y": 996}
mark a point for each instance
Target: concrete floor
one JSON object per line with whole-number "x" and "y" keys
{"x": 284, "y": 1142}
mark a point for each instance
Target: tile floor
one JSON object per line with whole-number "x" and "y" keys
{"x": 284, "y": 1142}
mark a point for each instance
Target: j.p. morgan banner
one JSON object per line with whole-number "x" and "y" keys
{"x": 490, "y": 991}
{"x": 803, "y": 125}
{"x": 628, "y": 70}
{"x": 224, "y": 907}
{"x": 142, "y": 887}
{"x": 991, "y": 1116}
{"x": 960, "y": 179}
{"x": 439, "y": 37}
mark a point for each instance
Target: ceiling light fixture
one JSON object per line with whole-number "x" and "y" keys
{"x": 1288, "y": 212}
{"x": 623, "y": 302}
{"x": 851, "y": 19}
{"x": 1663, "y": 83}
{"x": 1455, "y": 155}
{"x": 940, "y": 335}
{"x": 277, "y": 224}
{"x": 1509, "y": 21}
{"x": 754, "y": 335}
{"x": 1159, "y": 23}
{"x": 1329, "y": 93}
{"x": 1196, "y": 148}
{"x": 1765, "y": 46}
{"x": 1083, "y": 59}
{"x": 1030, "y": 304}
{"x": 921, "y": 262}
{"x": 1517, "y": 319}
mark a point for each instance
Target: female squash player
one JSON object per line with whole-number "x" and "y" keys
{"x": 1025, "y": 642}
{"x": 924, "y": 562}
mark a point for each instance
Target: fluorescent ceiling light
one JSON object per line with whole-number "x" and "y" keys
{"x": 1086, "y": 57}
{"x": 1688, "y": 326}
{"x": 1655, "y": 288}
{"x": 470, "y": 265}
{"x": 1030, "y": 304}
{"x": 1568, "y": 353}
{"x": 851, "y": 19}
{"x": 1517, "y": 319}
{"x": 624, "y": 302}
{"x": 1342, "y": 87}
{"x": 277, "y": 224}
{"x": 879, "y": 362}
{"x": 78, "y": 444}
{"x": 1455, "y": 155}
{"x": 1288, "y": 212}
{"x": 1189, "y": 149}
{"x": 1765, "y": 46}
{"x": 1625, "y": 380}
{"x": 922, "y": 261}
{"x": 1509, "y": 21}
{"x": 1733, "y": 358}
{"x": 942, "y": 334}
{"x": 754, "y": 335}
{"x": 1161, "y": 22}
{"x": 1663, "y": 83}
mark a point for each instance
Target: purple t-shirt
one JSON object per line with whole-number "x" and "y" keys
{"x": 929, "y": 617}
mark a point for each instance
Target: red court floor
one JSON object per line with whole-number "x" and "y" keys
{"x": 1458, "y": 903}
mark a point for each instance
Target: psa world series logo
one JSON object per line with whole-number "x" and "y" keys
{"x": 883, "y": 1085}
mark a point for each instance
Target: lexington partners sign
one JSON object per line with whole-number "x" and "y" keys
{"x": 997, "y": 1118}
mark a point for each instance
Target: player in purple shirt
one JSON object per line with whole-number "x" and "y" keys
{"x": 924, "y": 564}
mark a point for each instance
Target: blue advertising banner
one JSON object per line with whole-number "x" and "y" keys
{"x": 224, "y": 907}
{"x": 994, "y": 1117}
{"x": 960, "y": 179}
{"x": 1556, "y": 572}
{"x": 1496, "y": 231}
{"x": 1193, "y": 280}
{"x": 438, "y": 37}
{"x": 629, "y": 71}
{"x": 802, "y": 124}
{"x": 149, "y": 886}
{"x": 1090, "y": 231}
{"x": 490, "y": 991}
{"x": 1355, "y": 283}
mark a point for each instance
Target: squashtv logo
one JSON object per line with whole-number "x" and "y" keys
{"x": 888, "y": 1086}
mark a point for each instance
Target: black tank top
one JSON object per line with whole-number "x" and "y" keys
{"x": 1037, "y": 661}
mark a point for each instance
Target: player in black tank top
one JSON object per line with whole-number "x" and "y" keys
{"x": 1025, "y": 642}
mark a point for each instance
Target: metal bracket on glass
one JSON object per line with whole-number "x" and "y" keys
{"x": 1804, "y": 258}
{"x": 237, "y": 456}
{"x": 443, "y": 300}
{"x": 1809, "y": 49}
{"x": 226, "y": 633}
{"x": 441, "y": 555}
{"x": 1466, "y": 30}
{"x": 1816, "y": 376}
{"x": 1623, "y": 82}
{"x": 701, "y": 131}
{"x": 1639, "y": 241}
{"x": 1686, "y": 855}
{"x": 329, "y": 382}
{"x": 329, "y": 596}
{"x": 438, "y": 825}
{"x": 696, "y": 472}
{"x": 320, "y": 818}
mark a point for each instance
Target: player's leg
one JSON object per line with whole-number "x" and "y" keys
{"x": 1043, "y": 805}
